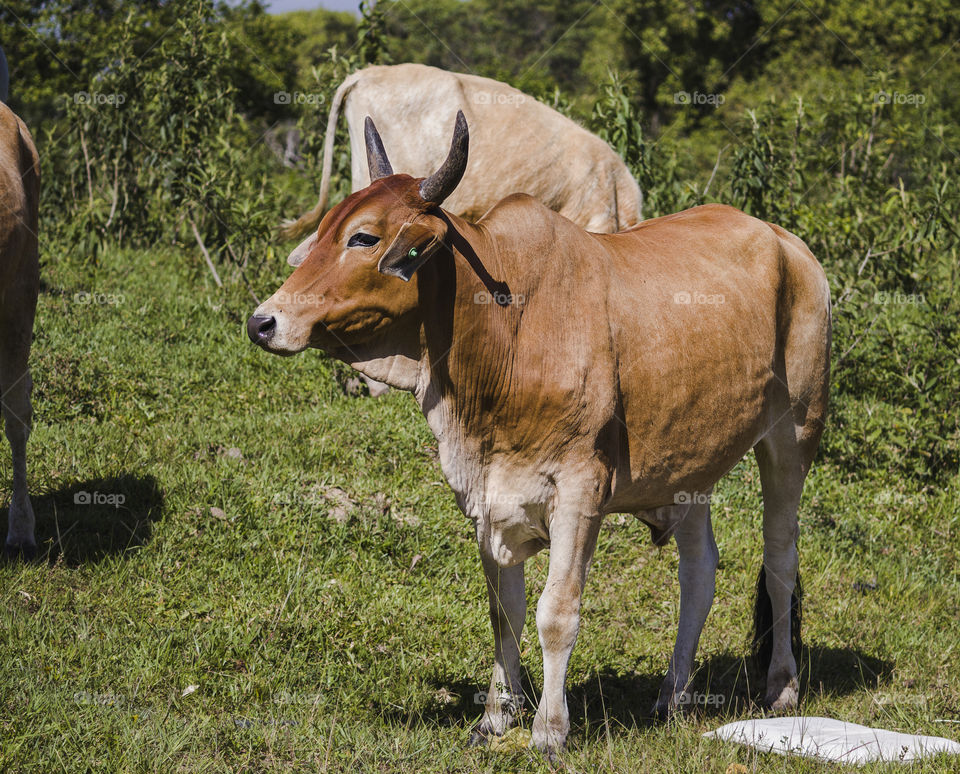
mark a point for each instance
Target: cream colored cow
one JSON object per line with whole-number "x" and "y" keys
{"x": 518, "y": 145}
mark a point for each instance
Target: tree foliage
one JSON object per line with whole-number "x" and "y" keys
{"x": 837, "y": 120}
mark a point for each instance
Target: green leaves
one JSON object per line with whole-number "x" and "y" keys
{"x": 162, "y": 137}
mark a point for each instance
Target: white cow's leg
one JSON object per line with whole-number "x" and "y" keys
{"x": 508, "y": 608}
{"x": 698, "y": 567}
{"x": 573, "y": 538}
{"x": 376, "y": 388}
{"x": 781, "y": 477}
{"x": 15, "y": 386}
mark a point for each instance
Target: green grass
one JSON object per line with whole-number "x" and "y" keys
{"x": 348, "y": 631}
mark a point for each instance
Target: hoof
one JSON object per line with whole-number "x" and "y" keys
{"x": 662, "y": 711}
{"x": 550, "y": 744}
{"x": 785, "y": 700}
{"x": 670, "y": 704}
{"x": 25, "y": 552}
{"x": 552, "y": 754}
{"x": 482, "y": 734}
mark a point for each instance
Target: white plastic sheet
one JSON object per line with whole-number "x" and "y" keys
{"x": 832, "y": 740}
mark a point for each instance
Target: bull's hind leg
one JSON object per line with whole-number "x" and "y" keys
{"x": 782, "y": 472}
{"x": 15, "y": 385}
{"x": 698, "y": 568}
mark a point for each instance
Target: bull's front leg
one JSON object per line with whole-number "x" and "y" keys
{"x": 573, "y": 538}
{"x": 508, "y": 608}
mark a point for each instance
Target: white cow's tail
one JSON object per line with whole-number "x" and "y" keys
{"x": 629, "y": 200}
{"x": 299, "y": 228}
{"x": 4, "y": 78}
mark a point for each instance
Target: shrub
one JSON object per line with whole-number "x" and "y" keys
{"x": 871, "y": 192}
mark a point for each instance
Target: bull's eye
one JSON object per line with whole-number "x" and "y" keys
{"x": 363, "y": 240}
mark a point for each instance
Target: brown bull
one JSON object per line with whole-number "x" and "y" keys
{"x": 547, "y": 155}
{"x": 19, "y": 285}
{"x": 568, "y": 375}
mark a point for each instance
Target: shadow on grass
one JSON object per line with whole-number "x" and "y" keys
{"x": 725, "y": 686}
{"x": 90, "y": 520}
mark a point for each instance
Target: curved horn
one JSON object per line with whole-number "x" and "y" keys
{"x": 377, "y": 161}
{"x": 441, "y": 183}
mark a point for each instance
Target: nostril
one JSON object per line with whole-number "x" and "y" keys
{"x": 261, "y": 329}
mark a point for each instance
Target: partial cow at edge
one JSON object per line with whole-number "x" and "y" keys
{"x": 19, "y": 286}
{"x": 4, "y": 78}
{"x": 517, "y": 145}
{"x": 616, "y": 373}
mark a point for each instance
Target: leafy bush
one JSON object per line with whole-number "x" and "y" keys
{"x": 155, "y": 147}
{"x": 655, "y": 166}
{"x": 873, "y": 196}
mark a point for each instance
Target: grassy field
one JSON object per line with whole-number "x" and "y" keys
{"x": 273, "y": 576}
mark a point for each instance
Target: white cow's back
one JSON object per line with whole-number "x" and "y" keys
{"x": 517, "y": 144}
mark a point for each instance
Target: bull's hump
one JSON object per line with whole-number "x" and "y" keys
{"x": 520, "y": 216}
{"x": 711, "y": 229}
{"x": 521, "y": 203}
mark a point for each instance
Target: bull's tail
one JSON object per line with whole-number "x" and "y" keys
{"x": 763, "y": 623}
{"x": 309, "y": 221}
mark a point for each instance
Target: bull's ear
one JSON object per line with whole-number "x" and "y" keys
{"x": 412, "y": 247}
{"x": 302, "y": 250}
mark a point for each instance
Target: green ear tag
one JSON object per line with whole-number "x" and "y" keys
{"x": 413, "y": 252}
